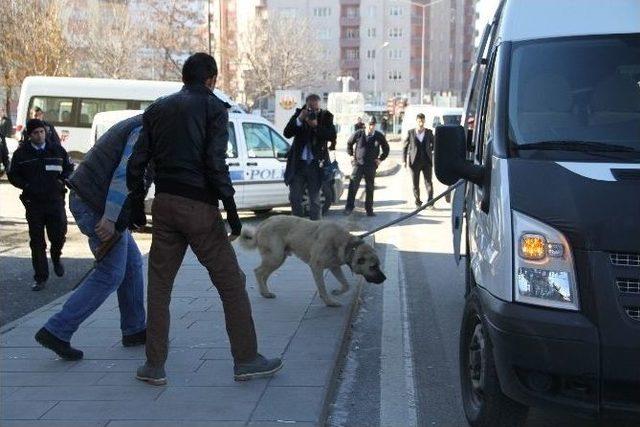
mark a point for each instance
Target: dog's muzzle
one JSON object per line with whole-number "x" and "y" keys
{"x": 377, "y": 278}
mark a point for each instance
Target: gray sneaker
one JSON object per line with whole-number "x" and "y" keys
{"x": 151, "y": 375}
{"x": 260, "y": 367}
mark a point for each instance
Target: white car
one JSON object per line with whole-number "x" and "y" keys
{"x": 256, "y": 156}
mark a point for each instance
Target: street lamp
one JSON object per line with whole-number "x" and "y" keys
{"x": 375, "y": 74}
{"x": 424, "y": 16}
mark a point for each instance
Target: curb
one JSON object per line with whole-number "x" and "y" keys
{"x": 340, "y": 358}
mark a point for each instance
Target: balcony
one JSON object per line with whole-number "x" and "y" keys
{"x": 350, "y": 64}
{"x": 350, "y": 2}
{"x": 350, "y": 21}
{"x": 350, "y": 42}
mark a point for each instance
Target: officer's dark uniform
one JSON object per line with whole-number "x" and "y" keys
{"x": 40, "y": 173}
{"x": 367, "y": 151}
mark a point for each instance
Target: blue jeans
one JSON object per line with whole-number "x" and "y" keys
{"x": 120, "y": 269}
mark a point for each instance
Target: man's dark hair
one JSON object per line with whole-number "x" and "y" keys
{"x": 312, "y": 97}
{"x": 198, "y": 68}
{"x": 420, "y": 116}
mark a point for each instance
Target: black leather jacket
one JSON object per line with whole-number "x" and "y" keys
{"x": 186, "y": 136}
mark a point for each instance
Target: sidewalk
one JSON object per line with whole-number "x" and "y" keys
{"x": 101, "y": 390}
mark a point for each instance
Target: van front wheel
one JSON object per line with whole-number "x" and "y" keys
{"x": 482, "y": 399}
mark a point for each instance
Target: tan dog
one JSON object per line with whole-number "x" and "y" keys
{"x": 320, "y": 244}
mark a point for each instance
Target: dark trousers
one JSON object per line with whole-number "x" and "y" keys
{"x": 426, "y": 171}
{"x": 49, "y": 215}
{"x": 179, "y": 223}
{"x": 308, "y": 176}
{"x": 369, "y": 174}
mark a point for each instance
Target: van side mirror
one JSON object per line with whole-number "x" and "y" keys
{"x": 450, "y": 157}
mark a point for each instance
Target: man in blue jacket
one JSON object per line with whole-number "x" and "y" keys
{"x": 100, "y": 205}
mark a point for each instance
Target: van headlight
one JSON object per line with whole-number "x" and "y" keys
{"x": 544, "y": 273}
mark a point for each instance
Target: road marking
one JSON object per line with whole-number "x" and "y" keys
{"x": 397, "y": 392}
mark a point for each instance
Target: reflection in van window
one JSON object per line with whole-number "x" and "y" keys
{"x": 576, "y": 89}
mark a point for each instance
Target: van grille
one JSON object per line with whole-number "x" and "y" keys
{"x": 633, "y": 312}
{"x": 625, "y": 259}
{"x": 630, "y": 286}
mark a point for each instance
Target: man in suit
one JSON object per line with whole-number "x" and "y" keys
{"x": 418, "y": 155}
{"x": 371, "y": 149}
{"x": 312, "y": 130}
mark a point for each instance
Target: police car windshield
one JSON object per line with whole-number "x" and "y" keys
{"x": 576, "y": 89}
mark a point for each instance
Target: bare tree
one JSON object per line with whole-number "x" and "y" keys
{"x": 174, "y": 29}
{"x": 109, "y": 42}
{"x": 278, "y": 58}
{"x": 33, "y": 42}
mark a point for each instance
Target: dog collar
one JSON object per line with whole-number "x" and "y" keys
{"x": 350, "y": 251}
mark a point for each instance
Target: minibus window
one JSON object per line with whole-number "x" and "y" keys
{"x": 583, "y": 90}
{"x": 57, "y": 111}
{"x": 91, "y": 107}
{"x": 232, "y": 146}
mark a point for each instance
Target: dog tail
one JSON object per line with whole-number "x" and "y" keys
{"x": 248, "y": 237}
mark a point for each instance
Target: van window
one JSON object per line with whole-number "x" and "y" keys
{"x": 579, "y": 89}
{"x": 57, "y": 110}
{"x": 91, "y": 107}
{"x": 487, "y": 121}
{"x": 232, "y": 145}
{"x": 263, "y": 142}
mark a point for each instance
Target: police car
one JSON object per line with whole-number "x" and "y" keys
{"x": 256, "y": 156}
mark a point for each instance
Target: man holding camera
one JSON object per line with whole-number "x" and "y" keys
{"x": 311, "y": 129}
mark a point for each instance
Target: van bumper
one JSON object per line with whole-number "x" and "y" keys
{"x": 552, "y": 358}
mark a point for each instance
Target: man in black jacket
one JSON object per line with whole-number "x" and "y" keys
{"x": 39, "y": 169}
{"x": 418, "y": 154}
{"x": 186, "y": 137}
{"x": 366, "y": 159}
{"x": 312, "y": 129}
{"x": 98, "y": 202}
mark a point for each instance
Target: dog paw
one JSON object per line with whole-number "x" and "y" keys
{"x": 268, "y": 295}
{"x": 337, "y": 292}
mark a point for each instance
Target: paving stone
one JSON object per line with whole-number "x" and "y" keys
{"x": 304, "y": 373}
{"x": 25, "y": 410}
{"x": 117, "y": 393}
{"x": 290, "y": 404}
{"x": 23, "y": 379}
{"x": 49, "y": 423}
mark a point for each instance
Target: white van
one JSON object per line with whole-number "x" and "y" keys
{"x": 552, "y": 310}
{"x": 70, "y": 104}
{"x": 256, "y": 159}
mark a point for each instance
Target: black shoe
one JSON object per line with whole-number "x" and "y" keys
{"x": 59, "y": 347}
{"x": 58, "y": 268}
{"x": 151, "y": 375}
{"x": 370, "y": 213}
{"x": 259, "y": 367}
{"x": 348, "y": 211}
{"x": 139, "y": 338}
{"x": 418, "y": 203}
{"x": 38, "y": 286}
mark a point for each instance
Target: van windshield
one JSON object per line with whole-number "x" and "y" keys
{"x": 576, "y": 92}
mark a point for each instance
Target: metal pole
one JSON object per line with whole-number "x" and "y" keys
{"x": 424, "y": 14}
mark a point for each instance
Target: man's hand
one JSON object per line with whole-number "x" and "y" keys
{"x": 303, "y": 114}
{"x": 105, "y": 229}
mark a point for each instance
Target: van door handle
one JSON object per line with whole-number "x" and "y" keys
{"x": 252, "y": 163}
{"x": 234, "y": 164}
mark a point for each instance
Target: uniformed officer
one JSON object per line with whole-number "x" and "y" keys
{"x": 39, "y": 169}
{"x": 367, "y": 157}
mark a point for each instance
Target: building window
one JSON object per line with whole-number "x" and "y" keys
{"x": 394, "y": 53}
{"x": 371, "y": 32}
{"x": 395, "y": 11}
{"x": 372, "y": 11}
{"x": 289, "y": 12}
{"x": 321, "y": 12}
{"x": 371, "y": 76}
{"x": 395, "y": 32}
{"x": 352, "y": 33}
{"x": 395, "y": 75}
{"x": 371, "y": 54}
{"x": 352, "y": 54}
{"x": 352, "y": 12}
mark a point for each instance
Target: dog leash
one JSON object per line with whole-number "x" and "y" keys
{"x": 415, "y": 212}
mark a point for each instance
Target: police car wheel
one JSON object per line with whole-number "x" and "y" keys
{"x": 483, "y": 402}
